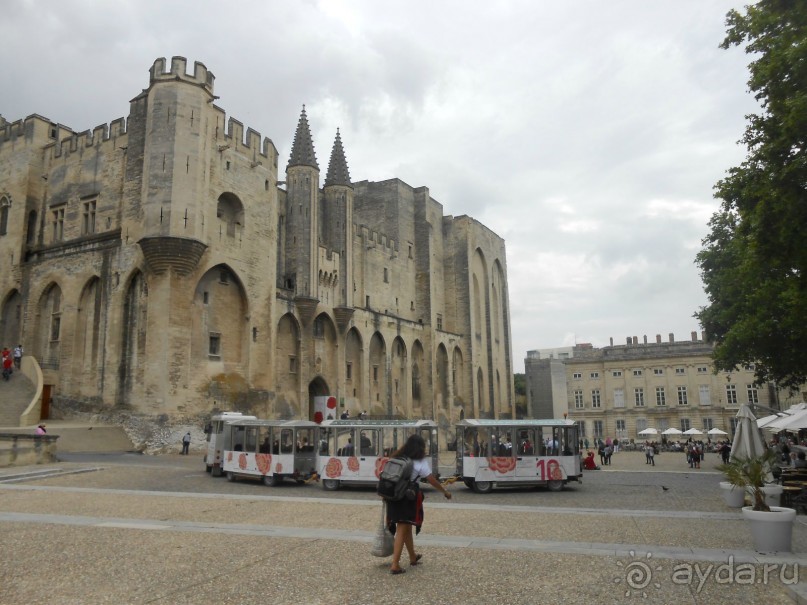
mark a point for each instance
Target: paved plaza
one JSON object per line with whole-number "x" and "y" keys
{"x": 137, "y": 529}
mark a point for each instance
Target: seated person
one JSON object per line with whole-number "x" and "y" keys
{"x": 366, "y": 445}
{"x": 800, "y": 461}
{"x": 265, "y": 447}
{"x": 588, "y": 462}
{"x": 348, "y": 449}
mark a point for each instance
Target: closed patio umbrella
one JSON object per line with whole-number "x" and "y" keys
{"x": 747, "y": 439}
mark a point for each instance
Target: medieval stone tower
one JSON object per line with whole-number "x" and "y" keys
{"x": 160, "y": 264}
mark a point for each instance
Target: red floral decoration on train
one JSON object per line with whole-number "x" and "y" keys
{"x": 242, "y": 462}
{"x": 229, "y": 456}
{"x": 278, "y": 468}
{"x": 331, "y": 403}
{"x": 553, "y": 468}
{"x": 334, "y": 468}
{"x": 380, "y": 463}
{"x": 501, "y": 464}
{"x": 264, "y": 462}
{"x": 353, "y": 464}
{"x": 318, "y": 417}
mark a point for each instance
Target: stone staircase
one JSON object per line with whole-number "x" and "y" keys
{"x": 15, "y": 395}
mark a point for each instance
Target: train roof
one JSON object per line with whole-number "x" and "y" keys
{"x": 525, "y": 422}
{"x": 376, "y": 423}
{"x": 252, "y": 421}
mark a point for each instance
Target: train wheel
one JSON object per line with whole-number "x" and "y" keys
{"x": 271, "y": 480}
{"x": 330, "y": 484}
{"x": 555, "y": 486}
{"x": 208, "y": 468}
{"x": 483, "y": 487}
{"x": 469, "y": 483}
{"x": 230, "y": 476}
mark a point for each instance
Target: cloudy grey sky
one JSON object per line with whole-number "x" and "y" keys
{"x": 588, "y": 133}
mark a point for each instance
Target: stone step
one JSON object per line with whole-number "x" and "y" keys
{"x": 15, "y": 394}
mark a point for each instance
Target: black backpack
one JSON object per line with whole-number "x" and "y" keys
{"x": 395, "y": 479}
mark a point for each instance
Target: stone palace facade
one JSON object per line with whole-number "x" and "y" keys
{"x": 159, "y": 264}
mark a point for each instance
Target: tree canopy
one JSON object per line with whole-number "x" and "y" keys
{"x": 753, "y": 260}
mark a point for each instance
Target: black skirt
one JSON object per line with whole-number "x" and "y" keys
{"x": 405, "y": 511}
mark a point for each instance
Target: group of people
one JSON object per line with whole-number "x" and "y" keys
{"x": 346, "y": 415}
{"x": 11, "y": 361}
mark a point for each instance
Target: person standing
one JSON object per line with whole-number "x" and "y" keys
{"x": 17, "y": 356}
{"x": 651, "y": 454}
{"x": 186, "y": 443}
{"x": 404, "y": 514}
{"x": 7, "y": 364}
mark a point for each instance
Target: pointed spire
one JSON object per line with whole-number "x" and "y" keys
{"x": 338, "y": 173}
{"x": 302, "y": 149}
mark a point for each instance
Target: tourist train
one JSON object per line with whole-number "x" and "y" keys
{"x": 489, "y": 453}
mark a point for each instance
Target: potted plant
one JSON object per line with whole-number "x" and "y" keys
{"x": 771, "y": 526}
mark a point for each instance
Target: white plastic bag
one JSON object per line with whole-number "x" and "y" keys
{"x": 384, "y": 540}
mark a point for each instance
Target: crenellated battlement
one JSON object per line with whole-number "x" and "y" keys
{"x": 374, "y": 238}
{"x": 234, "y": 135}
{"x": 178, "y": 71}
{"x": 88, "y": 138}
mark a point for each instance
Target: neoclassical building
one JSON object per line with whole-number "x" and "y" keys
{"x": 160, "y": 263}
{"x": 620, "y": 390}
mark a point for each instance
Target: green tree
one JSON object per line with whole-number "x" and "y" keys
{"x": 753, "y": 260}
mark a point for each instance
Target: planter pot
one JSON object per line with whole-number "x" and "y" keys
{"x": 733, "y": 496}
{"x": 773, "y": 495}
{"x": 773, "y": 531}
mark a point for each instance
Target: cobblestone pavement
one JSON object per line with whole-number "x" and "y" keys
{"x": 135, "y": 529}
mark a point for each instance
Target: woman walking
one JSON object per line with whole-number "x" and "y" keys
{"x": 405, "y": 513}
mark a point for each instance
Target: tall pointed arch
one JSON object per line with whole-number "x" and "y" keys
{"x": 378, "y": 374}
{"x": 48, "y": 330}
{"x": 219, "y": 325}
{"x": 133, "y": 340}
{"x": 287, "y": 365}
{"x": 87, "y": 349}
{"x": 11, "y": 319}
{"x": 399, "y": 384}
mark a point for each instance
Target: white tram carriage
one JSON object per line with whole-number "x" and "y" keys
{"x": 271, "y": 450}
{"x": 355, "y": 451}
{"x": 511, "y": 453}
{"x": 218, "y": 439}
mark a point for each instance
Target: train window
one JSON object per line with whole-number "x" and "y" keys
{"x": 344, "y": 442}
{"x": 265, "y": 439}
{"x": 238, "y": 438}
{"x": 305, "y": 440}
{"x": 501, "y": 443}
{"x": 251, "y": 439}
{"x": 368, "y": 443}
{"x": 525, "y": 442}
{"x": 286, "y": 441}
{"x": 390, "y": 441}
{"x": 325, "y": 440}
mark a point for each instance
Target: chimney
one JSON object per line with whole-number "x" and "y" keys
{"x": 645, "y": 338}
{"x": 628, "y": 340}
{"x": 672, "y": 337}
{"x": 635, "y": 340}
{"x": 694, "y": 337}
{"x": 703, "y": 336}
{"x": 658, "y": 339}
{"x": 612, "y": 341}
